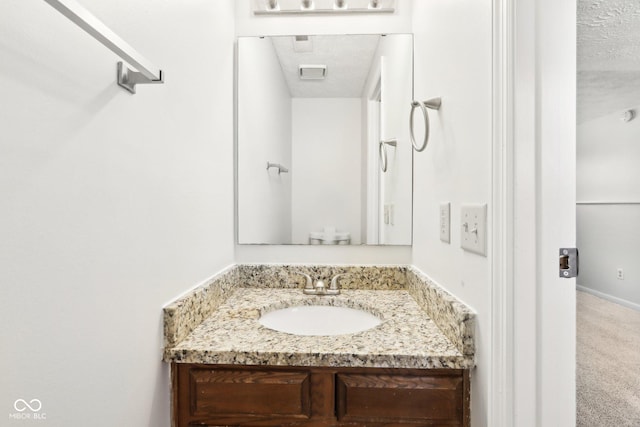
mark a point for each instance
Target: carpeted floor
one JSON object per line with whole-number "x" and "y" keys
{"x": 608, "y": 364}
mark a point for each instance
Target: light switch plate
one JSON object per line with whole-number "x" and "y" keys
{"x": 445, "y": 222}
{"x": 473, "y": 228}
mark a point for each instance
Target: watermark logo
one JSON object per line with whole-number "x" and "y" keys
{"x": 28, "y": 410}
{"x": 21, "y": 405}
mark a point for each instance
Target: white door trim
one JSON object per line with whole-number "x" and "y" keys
{"x": 533, "y": 46}
{"x": 500, "y": 399}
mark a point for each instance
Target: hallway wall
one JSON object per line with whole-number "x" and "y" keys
{"x": 608, "y": 154}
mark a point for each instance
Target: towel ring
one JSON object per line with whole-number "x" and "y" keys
{"x": 434, "y": 104}
{"x": 382, "y": 152}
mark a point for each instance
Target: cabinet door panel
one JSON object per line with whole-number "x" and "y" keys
{"x": 220, "y": 392}
{"x": 400, "y": 398}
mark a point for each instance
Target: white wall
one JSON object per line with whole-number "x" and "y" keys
{"x": 453, "y": 60}
{"x": 327, "y": 161}
{"x": 392, "y": 74}
{"x": 608, "y": 154}
{"x": 249, "y": 25}
{"x": 264, "y": 135}
{"x": 397, "y": 91}
{"x": 112, "y": 204}
{"x": 607, "y": 160}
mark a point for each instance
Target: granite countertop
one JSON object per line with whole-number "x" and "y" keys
{"x": 406, "y": 338}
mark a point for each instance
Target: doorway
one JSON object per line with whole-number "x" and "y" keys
{"x": 607, "y": 212}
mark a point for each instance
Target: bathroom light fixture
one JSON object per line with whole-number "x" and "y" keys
{"x": 312, "y": 72}
{"x": 297, "y": 7}
{"x": 628, "y": 115}
{"x": 340, "y": 4}
{"x": 272, "y": 5}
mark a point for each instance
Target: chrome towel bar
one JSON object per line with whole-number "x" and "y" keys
{"x": 146, "y": 72}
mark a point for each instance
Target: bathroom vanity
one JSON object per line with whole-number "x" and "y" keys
{"x": 221, "y": 395}
{"x": 411, "y": 369}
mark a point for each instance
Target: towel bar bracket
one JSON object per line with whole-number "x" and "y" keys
{"x": 128, "y": 79}
{"x": 278, "y": 166}
{"x": 145, "y": 72}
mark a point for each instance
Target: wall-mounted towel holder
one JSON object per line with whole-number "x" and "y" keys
{"x": 145, "y": 72}
{"x": 434, "y": 104}
{"x": 278, "y": 166}
{"x": 382, "y": 151}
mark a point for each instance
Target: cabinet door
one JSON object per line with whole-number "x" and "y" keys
{"x": 389, "y": 398}
{"x": 243, "y": 394}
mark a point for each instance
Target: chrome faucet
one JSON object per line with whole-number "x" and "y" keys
{"x": 320, "y": 288}
{"x": 335, "y": 283}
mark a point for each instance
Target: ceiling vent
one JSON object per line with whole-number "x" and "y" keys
{"x": 312, "y": 72}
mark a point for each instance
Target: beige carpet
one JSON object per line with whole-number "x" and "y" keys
{"x": 608, "y": 364}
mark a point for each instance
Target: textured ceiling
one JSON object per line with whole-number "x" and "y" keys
{"x": 348, "y": 60}
{"x": 608, "y": 57}
{"x": 608, "y": 34}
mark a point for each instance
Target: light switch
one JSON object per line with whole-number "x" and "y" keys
{"x": 445, "y": 222}
{"x": 473, "y": 229}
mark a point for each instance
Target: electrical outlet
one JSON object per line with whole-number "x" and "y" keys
{"x": 620, "y": 274}
{"x": 473, "y": 229}
{"x": 445, "y": 222}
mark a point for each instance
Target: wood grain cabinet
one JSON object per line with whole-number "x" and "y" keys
{"x": 217, "y": 395}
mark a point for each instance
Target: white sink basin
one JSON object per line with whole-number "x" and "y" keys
{"x": 319, "y": 320}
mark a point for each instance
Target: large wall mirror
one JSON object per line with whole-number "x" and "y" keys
{"x": 323, "y": 149}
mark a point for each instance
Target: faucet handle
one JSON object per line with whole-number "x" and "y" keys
{"x": 334, "y": 281}
{"x": 309, "y": 284}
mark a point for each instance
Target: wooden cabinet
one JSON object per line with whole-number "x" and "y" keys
{"x": 216, "y": 395}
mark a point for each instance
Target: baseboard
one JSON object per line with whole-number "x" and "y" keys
{"x": 608, "y": 297}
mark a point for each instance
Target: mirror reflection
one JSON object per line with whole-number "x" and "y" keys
{"x": 323, "y": 151}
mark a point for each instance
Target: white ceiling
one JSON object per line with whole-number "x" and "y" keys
{"x": 608, "y": 57}
{"x": 348, "y": 60}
